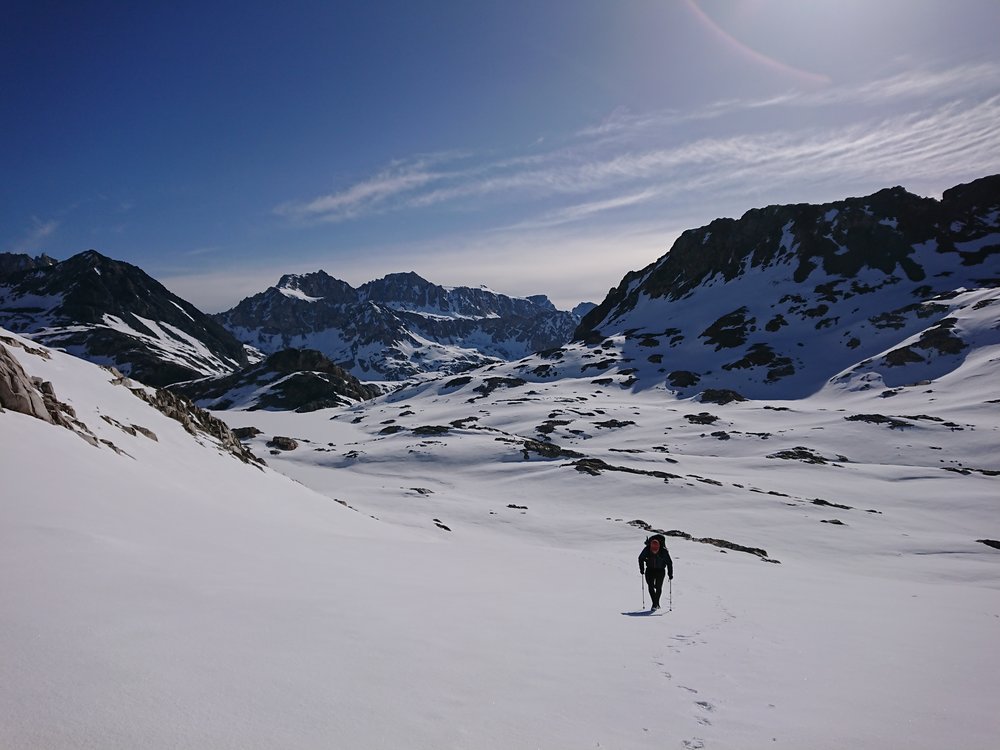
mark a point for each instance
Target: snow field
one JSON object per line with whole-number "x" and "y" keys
{"x": 175, "y": 597}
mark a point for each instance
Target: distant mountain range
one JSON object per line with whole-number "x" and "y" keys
{"x": 399, "y": 326}
{"x": 776, "y": 304}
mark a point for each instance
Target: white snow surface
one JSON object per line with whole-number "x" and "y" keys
{"x": 170, "y": 596}
{"x": 296, "y": 293}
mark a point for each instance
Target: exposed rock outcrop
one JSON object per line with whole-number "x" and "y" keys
{"x": 18, "y": 392}
{"x": 33, "y": 396}
{"x": 282, "y": 443}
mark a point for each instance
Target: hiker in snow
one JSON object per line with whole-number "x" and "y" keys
{"x": 654, "y": 562}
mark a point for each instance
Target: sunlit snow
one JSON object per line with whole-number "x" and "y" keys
{"x": 478, "y": 594}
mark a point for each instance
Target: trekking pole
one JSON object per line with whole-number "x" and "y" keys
{"x": 671, "y": 595}
{"x": 641, "y": 586}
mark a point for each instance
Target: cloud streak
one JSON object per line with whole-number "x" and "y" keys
{"x": 586, "y": 210}
{"x": 628, "y": 160}
{"x": 39, "y": 231}
{"x": 922, "y": 86}
{"x": 365, "y": 197}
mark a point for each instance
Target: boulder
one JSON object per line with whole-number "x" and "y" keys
{"x": 18, "y": 392}
{"x": 281, "y": 443}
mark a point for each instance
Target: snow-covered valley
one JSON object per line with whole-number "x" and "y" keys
{"x": 804, "y": 402}
{"x": 476, "y": 585}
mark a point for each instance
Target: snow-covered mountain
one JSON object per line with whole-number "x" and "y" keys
{"x": 779, "y": 301}
{"x": 113, "y": 313}
{"x": 455, "y": 562}
{"x": 398, "y": 326}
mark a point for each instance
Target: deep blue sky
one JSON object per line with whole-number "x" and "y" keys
{"x": 540, "y": 146}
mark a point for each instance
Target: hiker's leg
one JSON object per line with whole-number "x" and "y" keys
{"x": 657, "y": 586}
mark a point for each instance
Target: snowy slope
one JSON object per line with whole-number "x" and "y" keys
{"x": 172, "y": 596}
{"x": 873, "y": 508}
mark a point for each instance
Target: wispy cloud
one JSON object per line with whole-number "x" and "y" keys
{"x": 36, "y": 234}
{"x": 579, "y": 211}
{"x": 911, "y": 85}
{"x": 915, "y": 85}
{"x": 951, "y": 139}
{"x": 373, "y": 194}
{"x": 367, "y": 196}
{"x": 944, "y": 124}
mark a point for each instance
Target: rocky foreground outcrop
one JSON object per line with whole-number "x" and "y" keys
{"x": 22, "y": 393}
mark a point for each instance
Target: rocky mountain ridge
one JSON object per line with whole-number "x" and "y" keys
{"x": 12, "y": 263}
{"x": 399, "y": 326}
{"x": 113, "y": 313}
{"x": 781, "y": 300}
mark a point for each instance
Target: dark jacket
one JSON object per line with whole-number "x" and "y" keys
{"x": 661, "y": 560}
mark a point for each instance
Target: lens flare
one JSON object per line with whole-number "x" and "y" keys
{"x": 812, "y": 79}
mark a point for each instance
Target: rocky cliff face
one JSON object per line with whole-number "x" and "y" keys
{"x": 399, "y": 326}
{"x": 113, "y": 313}
{"x": 14, "y": 263}
{"x": 18, "y": 391}
{"x": 782, "y": 299}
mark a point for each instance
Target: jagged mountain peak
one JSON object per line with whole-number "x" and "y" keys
{"x": 405, "y": 277}
{"x": 541, "y": 300}
{"x": 311, "y": 287}
{"x": 406, "y": 289}
{"x": 93, "y": 257}
{"x": 15, "y": 263}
